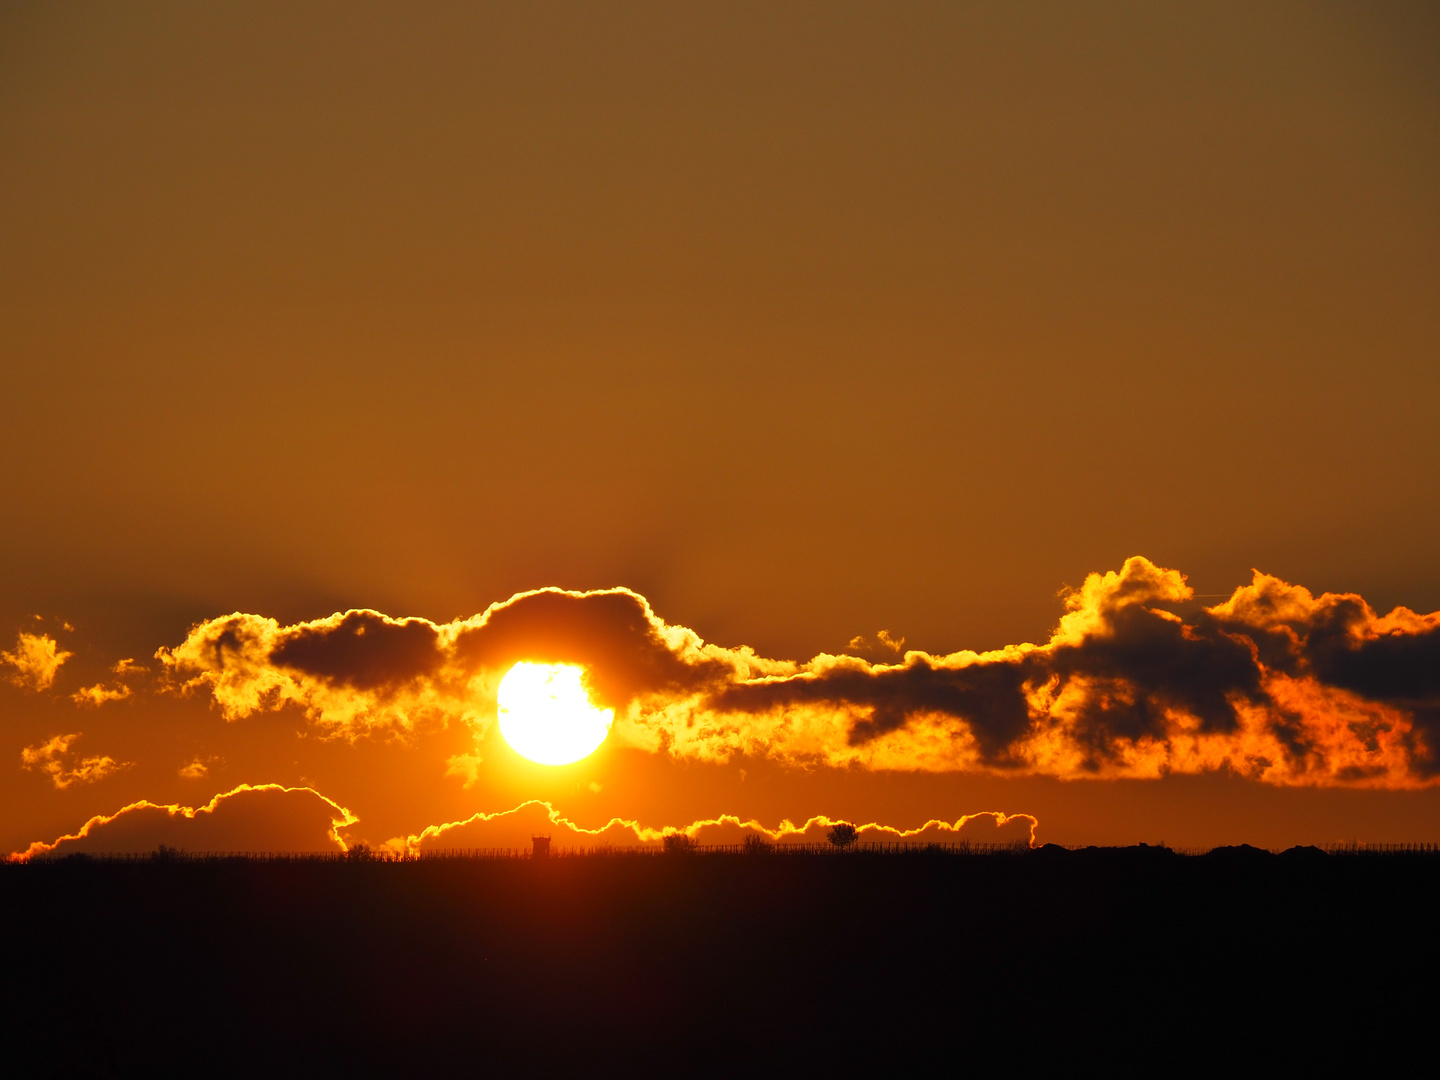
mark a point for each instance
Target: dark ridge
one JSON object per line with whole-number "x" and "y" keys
{"x": 1238, "y": 851}
{"x": 709, "y": 965}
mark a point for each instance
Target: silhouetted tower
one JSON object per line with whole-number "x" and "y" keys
{"x": 541, "y": 850}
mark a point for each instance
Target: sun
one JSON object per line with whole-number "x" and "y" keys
{"x": 546, "y": 714}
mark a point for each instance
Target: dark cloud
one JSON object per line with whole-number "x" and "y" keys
{"x": 363, "y": 649}
{"x": 1148, "y": 666}
{"x": 988, "y": 698}
{"x": 612, "y": 634}
{"x": 1342, "y": 643}
{"x": 1137, "y": 666}
{"x": 1387, "y": 666}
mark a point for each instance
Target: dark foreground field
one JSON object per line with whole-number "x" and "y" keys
{"x": 1138, "y": 958}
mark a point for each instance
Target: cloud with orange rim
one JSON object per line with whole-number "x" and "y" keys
{"x": 1274, "y": 684}
{"x": 248, "y": 818}
{"x": 516, "y": 828}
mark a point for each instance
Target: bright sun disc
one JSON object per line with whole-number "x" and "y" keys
{"x": 546, "y": 715}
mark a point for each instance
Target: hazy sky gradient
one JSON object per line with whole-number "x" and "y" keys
{"x": 803, "y": 320}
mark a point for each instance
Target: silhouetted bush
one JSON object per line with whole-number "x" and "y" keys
{"x": 843, "y": 835}
{"x": 757, "y": 845}
{"x": 678, "y": 844}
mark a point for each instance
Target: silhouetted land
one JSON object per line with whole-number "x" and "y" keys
{"x": 693, "y": 964}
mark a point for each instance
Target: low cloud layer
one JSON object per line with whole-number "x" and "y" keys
{"x": 1275, "y": 684}
{"x": 249, "y": 818}
{"x": 271, "y": 818}
{"x": 515, "y": 829}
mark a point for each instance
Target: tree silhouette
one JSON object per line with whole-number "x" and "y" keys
{"x": 757, "y": 845}
{"x": 843, "y": 835}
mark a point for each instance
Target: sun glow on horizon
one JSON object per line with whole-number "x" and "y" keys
{"x": 546, "y": 714}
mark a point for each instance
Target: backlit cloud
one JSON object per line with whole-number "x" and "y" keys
{"x": 1136, "y": 681}
{"x": 360, "y": 671}
{"x": 35, "y": 659}
{"x": 54, "y": 759}
{"x": 515, "y": 828}
{"x": 271, "y": 818}
{"x": 249, "y": 818}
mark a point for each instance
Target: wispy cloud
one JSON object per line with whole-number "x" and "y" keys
{"x": 197, "y": 769}
{"x": 465, "y": 766}
{"x": 54, "y": 759}
{"x": 99, "y": 694}
{"x": 36, "y": 660}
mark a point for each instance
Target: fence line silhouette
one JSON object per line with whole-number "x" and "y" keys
{"x": 821, "y": 849}
{"x": 361, "y": 854}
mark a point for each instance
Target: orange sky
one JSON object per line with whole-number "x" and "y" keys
{"x": 800, "y": 321}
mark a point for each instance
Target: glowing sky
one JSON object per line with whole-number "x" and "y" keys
{"x": 794, "y": 323}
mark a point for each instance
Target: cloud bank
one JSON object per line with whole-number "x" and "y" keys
{"x": 249, "y": 818}
{"x": 1275, "y": 684}
{"x": 264, "y": 818}
{"x": 515, "y": 828}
